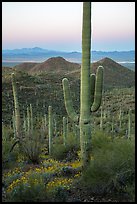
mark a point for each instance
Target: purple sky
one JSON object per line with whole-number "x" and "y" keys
{"x": 57, "y": 25}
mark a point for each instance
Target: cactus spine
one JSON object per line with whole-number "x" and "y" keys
{"x": 91, "y": 89}
{"x": 50, "y": 128}
{"x": 16, "y": 108}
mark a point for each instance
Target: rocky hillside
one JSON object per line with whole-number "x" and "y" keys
{"x": 54, "y": 64}
{"x": 26, "y": 66}
{"x": 44, "y": 88}
{"x": 115, "y": 74}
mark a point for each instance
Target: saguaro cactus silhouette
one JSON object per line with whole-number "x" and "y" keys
{"x": 50, "y": 129}
{"x": 129, "y": 123}
{"x": 16, "y": 107}
{"x": 64, "y": 130}
{"x": 91, "y": 89}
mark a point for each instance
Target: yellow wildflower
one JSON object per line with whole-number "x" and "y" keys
{"x": 64, "y": 182}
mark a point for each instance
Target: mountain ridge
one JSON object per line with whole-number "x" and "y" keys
{"x": 37, "y": 53}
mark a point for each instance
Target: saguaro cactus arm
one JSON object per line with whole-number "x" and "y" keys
{"x": 92, "y": 87}
{"x": 98, "y": 89}
{"x": 68, "y": 101}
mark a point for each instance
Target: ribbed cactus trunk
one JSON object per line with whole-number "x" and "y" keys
{"x": 91, "y": 89}
{"x": 16, "y": 108}
{"x": 14, "y": 124}
{"x": 28, "y": 121}
{"x": 55, "y": 125}
{"x": 85, "y": 127}
{"x": 31, "y": 119}
{"x": 50, "y": 128}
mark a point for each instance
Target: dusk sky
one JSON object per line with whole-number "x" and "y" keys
{"x": 58, "y": 25}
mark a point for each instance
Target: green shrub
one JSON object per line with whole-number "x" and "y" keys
{"x": 59, "y": 194}
{"x": 8, "y": 158}
{"x": 68, "y": 151}
{"x": 112, "y": 167}
{"x": 58, "y": 189}
{"x": 73, "y": 141}
{"x": 59, "y": 151}
{"x": 27, "y": 189}
{"x": 32, "y": 147}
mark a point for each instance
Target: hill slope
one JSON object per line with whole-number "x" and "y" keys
{"x": 115, "y": 75}
{"x": 55, "y": 64}
{"x": 26, "y": 66}
{"x": 45, "y": 88}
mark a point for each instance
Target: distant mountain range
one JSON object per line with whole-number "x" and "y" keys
{"x": 37, "y": 54}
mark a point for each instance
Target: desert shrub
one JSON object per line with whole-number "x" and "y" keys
{"x": 112, "y": 169}
{"x": 100, "y": 140}
{"x": 58, "y": 140}
{"x": 27, "y": 189}
{"x": 73, "y": 141}
{"x": 8, "y": 157}
{"x": 59, "y": 151}
{"x": 32, "y": 147}
{"x": 68, "y": 151}
{"x": 58, "y": 189}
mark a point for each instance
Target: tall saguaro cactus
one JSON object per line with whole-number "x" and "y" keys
{"x": 16, "y": 107}
{"x": 64, "y": 130}
{"x": 129, "y": 123}
{"x": 50, "y": 128}
{"x": 91, "y": 89}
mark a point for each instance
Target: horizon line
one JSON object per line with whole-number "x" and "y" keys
{"x": 66, "y": 51}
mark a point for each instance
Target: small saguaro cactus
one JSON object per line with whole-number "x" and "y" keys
{"x": 14, "y": 124}
{"x": 129, "y": 123}
{"x": 101, "y": 119}
{"x": 91, "y": 89}
{"x": 16, "y": 108}
{"x": 112, "y": 125}
{"x": 24, "y": 124}
{"x": 50, "y": 128}
{"x": 64, "y": 130}
{"x": 120, "y": 118}
{"x": 31, "y": 119}
{"x": 28, "y": 121}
